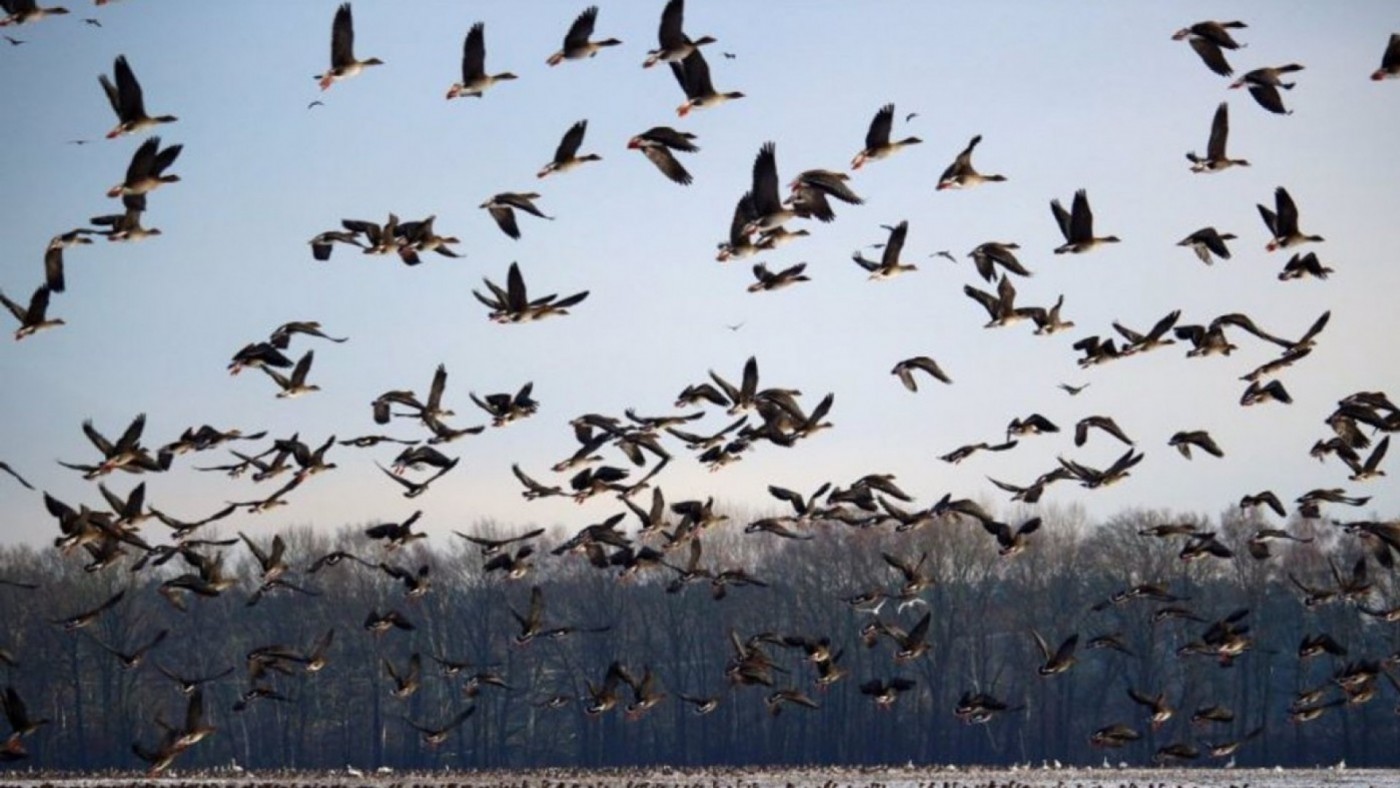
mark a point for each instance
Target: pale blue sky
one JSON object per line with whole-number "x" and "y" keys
{"x": 1090, "y": 95}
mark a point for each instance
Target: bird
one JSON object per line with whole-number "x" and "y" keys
{"x": 343, "y": 62}
{"x": 987, "y": 256}
{"x": 877, "y": 139}
{"x": 1077, "y": 226}
{"x": 1208, "y": 241}
{"x": 1184, "y": 440}
{"x": 566, "y": 155}
{"x": 769, "y": 211}
{"x": 657, "y": 144}
{"x": 1390, "y": 61}
{"x": 295, "y": 385}
{"x": 1301, "y": 266}
{"x": 1208, "y": 38}
{"x": 1264, "y": 83}
{"x": 1160, "y": 710}
{"x": 961, "y": 174}
{"x": 396, "y": 535}
{"x": 12, "y": 472}
{"x": 433, "y": 736}
{"x": 576, "y": 43}
{"x": 502, "y": 209}
{"x": 811, "y": 188}
{"x": 146, "y": 172}
{"x": 25, "y": 11}
{"x": 767, "y": 280}
{"x": 1283, "y": 223}
{"x": 127, "y": 101}
{"x": 889, "y": 266}
{"x": 1216, "y": 159}
{"x": 906, "y": 368}
{"x": 1108, "y": 425}
{"x": 1011, "y": 541}
{"x": 14, "y": 42}
{"x": 693, "y": 75}
{"x": 33, "y": 317}
{"x": 1073, "y": 391}
{"x": 475, "y": 80}
{"x": 1057, "y": 661}
{"x": 673, "y": 44}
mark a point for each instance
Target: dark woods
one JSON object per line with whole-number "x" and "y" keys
{"x": 477, "y": 670}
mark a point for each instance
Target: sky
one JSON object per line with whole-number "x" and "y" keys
{"x": 1091, "y": 95}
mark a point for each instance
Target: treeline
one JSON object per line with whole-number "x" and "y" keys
{"x": 983, "y": 608}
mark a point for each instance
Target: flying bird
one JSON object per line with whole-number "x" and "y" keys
{"x": 127, "y": 101}
{"x": 343, "y": 62}
{"x": 576, "y": 44}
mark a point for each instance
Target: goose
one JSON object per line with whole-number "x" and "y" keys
{"x": 877, "y": 139}
{"x": 1001, "y": 308}
{"x": 1115, "y": 736}
{"x": 1302, "y": 266}
{"x": 146, "y": 172}
{"x": 418, "y": 236}
{"x": 961, "y": 174}
{"x": 1097, "y": 351}
{"x": 343, "y": 62}
{"x": 1264, "y": 83}
{"x": 492, "y": 546}
{"x": 1108, "y": 425}
{"x": 87, "y": 617}
{"x": 693, "y": 74}
{"x": 1208, "y": 38}
{"x": 1216, "y": 159}
{"x": 32, "y": 318}
{"x": 1160, "y": 710}
{"x": 1283, "y": 223}
{"x": 433, "y": 736}
{"x": 1011, "y": 541}
{"x": 889, "y": 266}
{"x": 505, "y": 408}
{"x": 1208, "y": 241}
{"x": 323, "y": 243}
{"x": 987, "y": 256}
{"x": 475, "y": 80}
{"x": 1390, "y": 61}
{"x": 296, "y": 385}
{"x": 1093, "y": 478}
{"x": 811, "y": 188}
{"x": 534, "y": 489}
{"x": 1047, "y": 322}
{"x": 188, "y": 685}
{"x": 566, "y": 155}
{"x": 1153, "y": 339}
{"x": 738, "y": 246}
{"x": 576, "y": 43}
{"x": 281, "y": 336}
{"x": 1257, "y": 393}
{"x": 407, "y": 682}
{"x": 127, "y": 101}
{"x": 1057, "y": 661}
{"x": 1077, "y": 226}
{"x": 12, "y": 472}
{"x": 414, "y": 489}
{"x": 767, "y": 280}
{"x": 502, "y": 209}
{"x": 769, "y": 210}
{"x": 396, "y": 535}
{"x": 657, "y": 143}
{"x": 53, "y": 255}
{"x": 25, "y": 11}
{"x": 130, "y": 660}
{"x": 775, "y": 701}
{"x": 126, "y": 226}
{"x": 906, "y": 368}
{"x": 885, "y": 693}
{"x": 1034, "y": 424}
{"x": 1185, "y": 439}
{"x": 674, "y": 44}
{"x": 911, "y": 645}
{"x": 963, "y": 452}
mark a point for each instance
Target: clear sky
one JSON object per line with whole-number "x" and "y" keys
{"x": 1090, "y": 95}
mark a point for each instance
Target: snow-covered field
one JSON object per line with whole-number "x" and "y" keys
{"x": 906, "y": 777}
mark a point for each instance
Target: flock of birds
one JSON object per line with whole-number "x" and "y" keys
{"x": 668, "y": 536}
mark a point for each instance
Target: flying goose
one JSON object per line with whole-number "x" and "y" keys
{"x": 1283, "y": 223}
{"x": 433, "y": 736}
{"x": 33, "y": 318}
{"x": 1208, "y": 241}
{"x": 1216, "y": 159}
{"x": 906, "y": 368}
{"x": 505, "y": 408}
{"x": 1208, "y": 38}
{"x": 25, "y": 11}
{"x": 343, "y": 62}
{"x": 576, "y": 44}
{"x": 889, "y": 266}
{"x": 296, "y": 385}
{"x": 1185, "y": 439}
{"x": 877, "y": 139}
{"x": 475, "y": 80}
{"x": 657, "y": 143}
{"x": 1302, "y": 266}
{"x": 1011, "y": 541}
{"x": 768, "y": 208}
{"x": 1390, "y": 61}
{"x": 1093, "y": 478}
{"x": 1077, "y": 226}
{"x": 767, "y": 280}
{"x": 146, "y": 172}
{"x": 963, "y": 452}
{"x": 986, "y": 257}
{"x": 693, "y": 74}
{"x": 502, "y": 209}
{"x": 126, "y": 100}
{"x": 1264, "y": 83}
{"x": 1057, "y": 661}
{"x": 566, "y": 156}
{"x": 811, "y": 188}
{"x": 674, "y": 44}
{"x": 961, "y": 174}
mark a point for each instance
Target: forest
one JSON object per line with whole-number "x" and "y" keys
{"x": 497, "y": 696}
